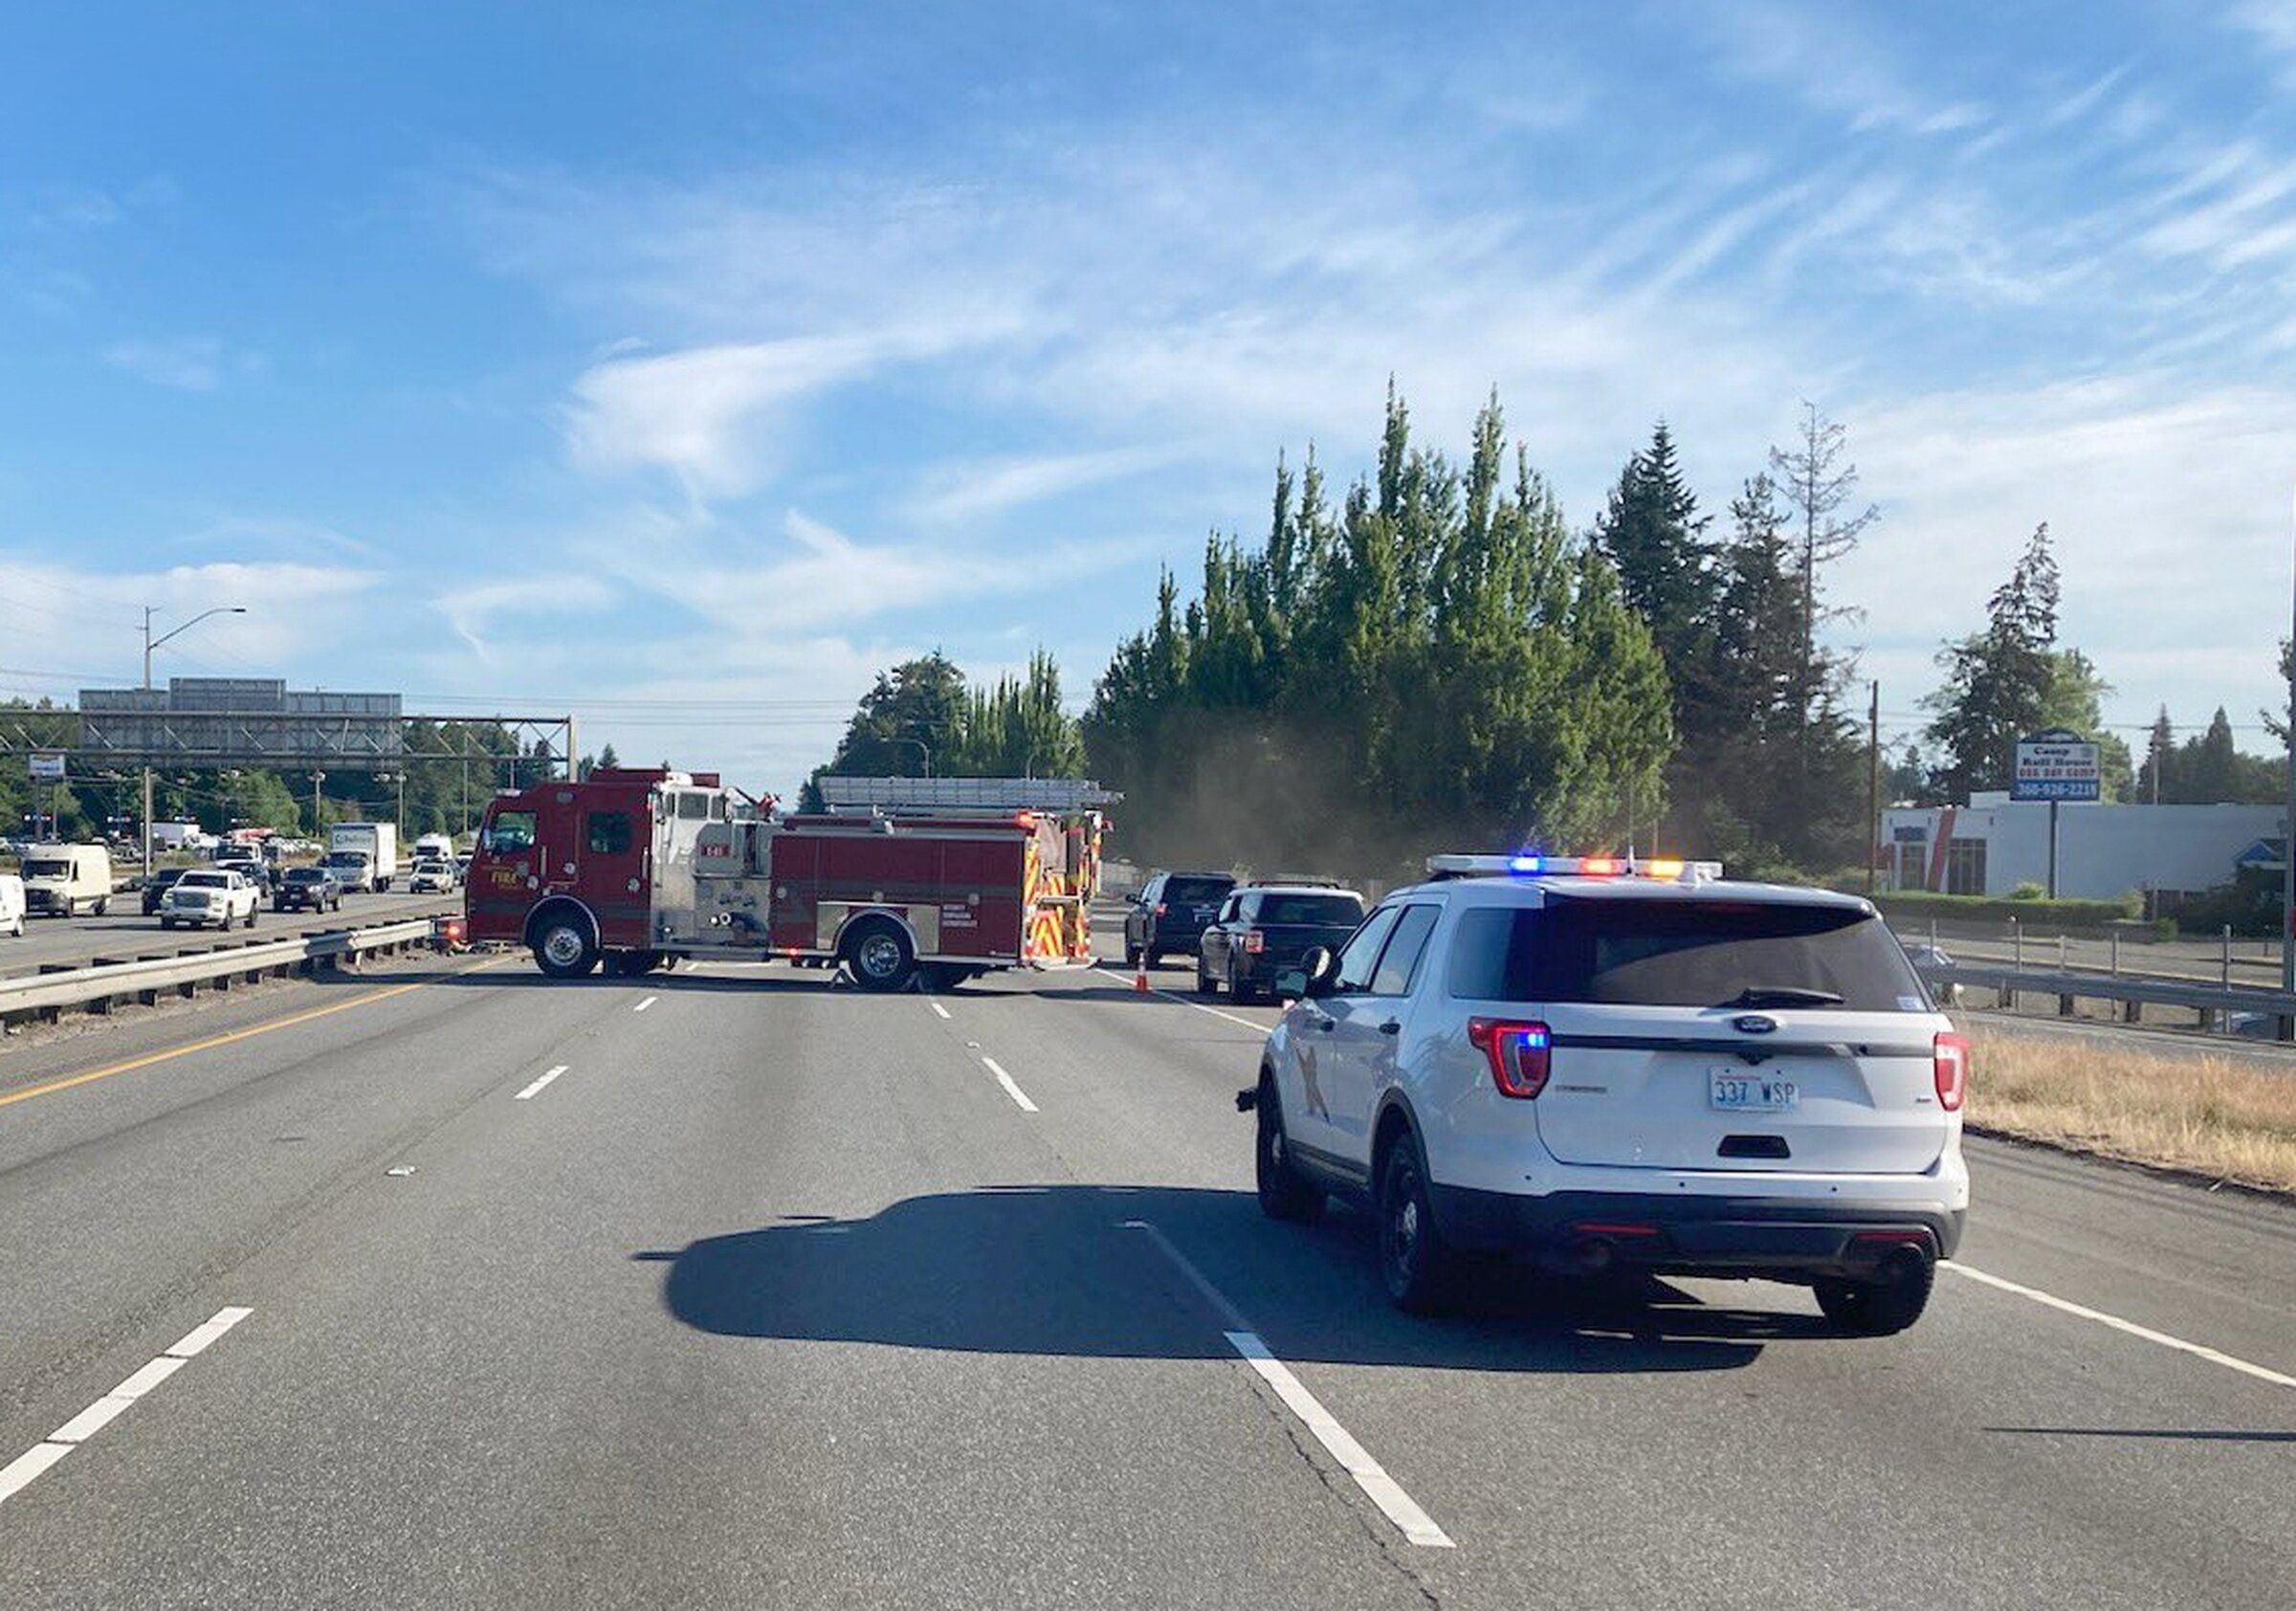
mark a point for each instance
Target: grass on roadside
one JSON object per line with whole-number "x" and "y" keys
{"x": 2226, "y": 1119}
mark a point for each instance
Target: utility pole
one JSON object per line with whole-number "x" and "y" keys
{"x": 2287, "y": 853}
{"x": 1873, "y": 787}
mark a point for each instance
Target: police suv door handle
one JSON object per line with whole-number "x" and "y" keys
{"x": 1393, "y": 1027}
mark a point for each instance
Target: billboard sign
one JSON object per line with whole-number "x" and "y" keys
{"x": 2056, "y": 764}
{"x": 47, "y": 768}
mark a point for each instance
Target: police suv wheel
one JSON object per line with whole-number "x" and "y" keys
{"x": 563, "y": 948}
{"x": 1283, "y": 1194}
{"x": 1417, "y": 1265}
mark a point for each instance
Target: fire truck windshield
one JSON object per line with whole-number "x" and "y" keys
{"x": 510, "y": 831}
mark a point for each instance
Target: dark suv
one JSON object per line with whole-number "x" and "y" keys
{"x": 156, "y": 886}
{"x": 1264, "y": 929}
{"x": 1172, "y": 913}
{"x": 311, "y": 887}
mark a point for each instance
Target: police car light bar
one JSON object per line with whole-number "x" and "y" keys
{"x": 1666, "y": 868}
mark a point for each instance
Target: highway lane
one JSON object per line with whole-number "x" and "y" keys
{"x": 126, "y": 932}
{"x": 781, "y": 1294}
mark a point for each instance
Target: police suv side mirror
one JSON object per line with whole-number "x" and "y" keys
{"x": 1314, "y": 978}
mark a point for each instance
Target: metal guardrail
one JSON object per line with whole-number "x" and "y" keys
{"x": 2213, "y": 1002}
{"x": 100, "y": 984}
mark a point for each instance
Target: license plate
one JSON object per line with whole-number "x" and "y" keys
{"x": 1740, "y": 1091}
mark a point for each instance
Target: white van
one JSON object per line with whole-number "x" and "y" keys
{"x": 67, "y": 880}
{"x": 12, "y": 905}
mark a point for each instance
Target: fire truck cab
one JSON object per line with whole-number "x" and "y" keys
{"x": 639, "y": 867}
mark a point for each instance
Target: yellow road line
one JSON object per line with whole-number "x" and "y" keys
{"x": 214, "y": 1041}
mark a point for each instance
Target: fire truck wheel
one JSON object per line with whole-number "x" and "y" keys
{"x": 563, "y": 947}
{"x": 877, "y": 954}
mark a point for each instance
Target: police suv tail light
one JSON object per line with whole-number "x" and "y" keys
{"x": 1255, "y": 941}
{"x": 1520, "y": 1051}
{"x": 1952, "y": 1066}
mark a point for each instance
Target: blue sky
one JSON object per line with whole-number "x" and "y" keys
{"x": 685, "y": 364}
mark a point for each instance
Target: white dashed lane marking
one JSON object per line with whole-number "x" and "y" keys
{"x": 1011, "y": 1089}
{"x": 1353, "y": 1458}
{"x": 535, "y": 1090}
{"x": 19, "y": 1473}
{"x": 644, "y": 1004}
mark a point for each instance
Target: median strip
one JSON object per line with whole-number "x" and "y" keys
{"x": 20, "y": 1472}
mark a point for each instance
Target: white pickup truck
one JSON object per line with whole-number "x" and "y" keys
{"x": 210, "y": 894}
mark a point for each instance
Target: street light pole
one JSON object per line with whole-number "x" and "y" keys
{"x": 151, "y": 643}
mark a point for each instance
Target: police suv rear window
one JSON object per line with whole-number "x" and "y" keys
{"x": 1666, "y": 952}
{"x": 1332, "y": 910}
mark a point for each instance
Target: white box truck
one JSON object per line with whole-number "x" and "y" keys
{"x": 378, "y": 842}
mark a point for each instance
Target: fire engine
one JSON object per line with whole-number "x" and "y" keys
{"x": 897, "y": 879}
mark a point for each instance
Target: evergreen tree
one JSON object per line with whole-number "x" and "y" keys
{"x": 1655, "y": 538}
{"x": 2158, "y": 782}
{"x": 1998, "y": 682}
{"x": 1819, "y": 485}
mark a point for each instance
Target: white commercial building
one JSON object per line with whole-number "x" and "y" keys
{"x": 1990, "y": 846}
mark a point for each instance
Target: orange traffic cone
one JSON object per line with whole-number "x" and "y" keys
{"x": 1140, "y": 978}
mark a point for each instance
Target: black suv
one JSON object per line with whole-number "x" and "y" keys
{"x": 313, "y": 887}
{"x": 1172, "y": 913}
{"x": 156, "y": 886}
{"x": 1264, "y": 929}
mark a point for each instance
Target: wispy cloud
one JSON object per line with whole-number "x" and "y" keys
{"x": 1823, "y": 58}
{"x": 184, "y": 362}
{"x": 473, "y": 611}
{"x": 957, "y": 492}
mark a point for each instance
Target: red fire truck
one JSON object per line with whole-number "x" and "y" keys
{"x": 639, "y": 867}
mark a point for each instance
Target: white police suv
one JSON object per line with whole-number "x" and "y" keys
{"x": 1599, "y": 1063}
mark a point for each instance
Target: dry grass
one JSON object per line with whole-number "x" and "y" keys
{"x": 2226, "y": 1119}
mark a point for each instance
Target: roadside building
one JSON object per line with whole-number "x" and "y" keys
{"x": 1990, "y": 846}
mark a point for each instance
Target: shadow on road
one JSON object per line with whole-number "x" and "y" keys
{"x": 1055, "y": 1270}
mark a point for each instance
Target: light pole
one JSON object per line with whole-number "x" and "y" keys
{"x": 896, "y": 739}
{"x": 151, "y": 643}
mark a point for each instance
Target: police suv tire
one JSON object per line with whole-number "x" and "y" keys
{"x": 1417, "y": 1265}
{"x": 566, "y": 937}
{"x": 1883, "y": 1307}
{"x": 1283, "y": 1194}
{"x": 877, "y": 953}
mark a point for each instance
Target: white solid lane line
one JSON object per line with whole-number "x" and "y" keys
{"x": 19, "y": 1472}
{"x": 644, "y": 1004}
{"x": 1011, "y": 1089}
{"x": 533, "y": 1091}
{"x": 1255, "y": 1029}
{"x": 1353, "y": 1458}
{"x": 2200, "y": 1350}
{"x": 937, "y": 1006}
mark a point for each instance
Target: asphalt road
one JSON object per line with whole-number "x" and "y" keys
{"x": 779, "y": 1294}
{"x": 126, "y": 932}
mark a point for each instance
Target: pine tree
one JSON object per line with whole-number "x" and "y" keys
{"x": 1817, "y": 484}
{"x": 1998, "y": 682}
{"x": 2155, "y": 784}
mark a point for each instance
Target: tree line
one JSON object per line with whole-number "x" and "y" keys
{"x": 1436, "y": 658}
